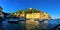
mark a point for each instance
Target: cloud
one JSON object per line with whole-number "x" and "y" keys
{"x": 56, "y": 17}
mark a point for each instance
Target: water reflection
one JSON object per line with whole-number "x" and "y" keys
{"x": 13, "y": 24}
{"x": 53, "y": 24}
{"x": 19, "y": 24}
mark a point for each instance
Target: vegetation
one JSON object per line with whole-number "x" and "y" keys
{"x": 30, "y": 25}
{"x": 27, "y": 11}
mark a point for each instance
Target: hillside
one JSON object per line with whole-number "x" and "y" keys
{"x": 32, "y": 15}
{"x": 30, "y": 12}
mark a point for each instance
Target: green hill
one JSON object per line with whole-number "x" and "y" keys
{"x": 30, "y": 10}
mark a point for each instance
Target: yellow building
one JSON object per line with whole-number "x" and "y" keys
{"x": 33, "y": 13}
{"x": 31, "y": 16}
{"x": 38, "y": 15}
{"x": 22, "y": 15}
{"x": 46, "y": 16}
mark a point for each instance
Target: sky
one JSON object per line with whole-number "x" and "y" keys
{"x": 52, "y": 7}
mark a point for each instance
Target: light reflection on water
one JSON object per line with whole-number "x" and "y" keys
{"x": 21, "y": 26}
{"x": 13, "y": 26}
{"x": 53, "y": 23}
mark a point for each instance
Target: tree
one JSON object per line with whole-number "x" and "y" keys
{"x": 28, "y": 11}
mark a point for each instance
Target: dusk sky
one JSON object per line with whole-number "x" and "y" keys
{"x": 52, "y": 7}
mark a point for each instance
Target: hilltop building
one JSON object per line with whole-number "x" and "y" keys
{"x": 32, "y": 13}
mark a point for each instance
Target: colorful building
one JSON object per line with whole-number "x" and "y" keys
{"x": 33, "y": 13}
{"x": 36, "y": 15}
